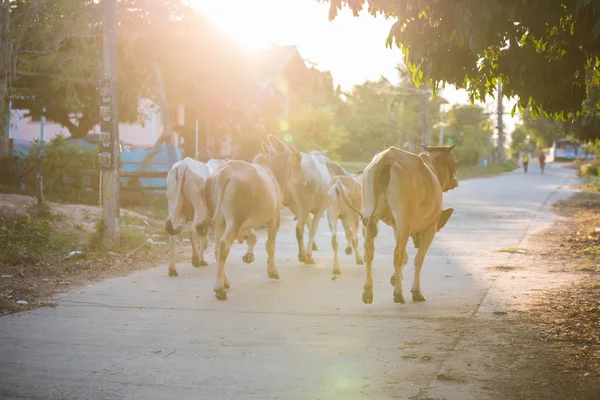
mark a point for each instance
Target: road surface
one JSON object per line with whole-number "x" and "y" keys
{"x": 149, "y": 336}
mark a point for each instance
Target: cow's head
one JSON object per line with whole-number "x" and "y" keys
{"x": 445, "y": 165}
{"x": 285, "y": 162}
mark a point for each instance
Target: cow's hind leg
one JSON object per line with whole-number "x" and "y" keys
{"x": 251, "y": 242}
{"x": 202, "y": 245}
{"x": 332, "y": 220}
{"x": 222, "y": 283}
{"x": 302, "y": 221}
{"x": 309, "y": 221}
{"x": 219, "y": 228}
{"x": 370, "y": 233}
{"x": 354, "y": 231}
{"x": 272, "y": 230}
{"x": 197, "y": 259}
{"x": 426, "y": 240}
{"x": 172, "y": 249}
{"x": 311, "y": 235}
{"x": 400, "y": 255}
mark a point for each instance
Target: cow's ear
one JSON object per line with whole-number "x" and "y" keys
{"x": 296, "y": 155}
{"x": 446, "y": 214}
{"x": 426, "y": 148}
{"x": 266, "y": 148}
{"x": 277, "y": 144}
{"x": 451, "y": 147}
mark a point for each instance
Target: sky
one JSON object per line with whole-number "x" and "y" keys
{"x": 352, "y": 48}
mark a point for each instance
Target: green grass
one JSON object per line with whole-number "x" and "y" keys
{"x": 30, "y": 239}
{"x": 475, "y": 171}
{"x": 512, "y": 250}
{"x": 353, "y": 166}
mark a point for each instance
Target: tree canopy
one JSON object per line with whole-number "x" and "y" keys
{"x": 539, "y": 50}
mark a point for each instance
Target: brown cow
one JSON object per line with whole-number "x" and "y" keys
{"x": 404, "y": 190}
{"x": 345, "y": 203}
{"x": 242, "y": 196}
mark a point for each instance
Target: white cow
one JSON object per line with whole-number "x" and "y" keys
{"x": 344, "y": 203}
{"x": 186, "y": 197}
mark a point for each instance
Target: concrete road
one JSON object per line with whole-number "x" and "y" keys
{"x": 148, "y": 336}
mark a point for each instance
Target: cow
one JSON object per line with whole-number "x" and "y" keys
{"x": 308, "y": 196}
{"x": 405, "y": 190}
{"x": 243, "y": 196}
{"x": 344, "y": 203}
{"x": 186, "y": 198}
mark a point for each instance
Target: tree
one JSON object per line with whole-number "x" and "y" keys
{"x": 471, "y": 130}
{"x": 380, "y": 114}
{"x": 521, "y": 141}
{"x": 540, "y": 50}
{"x": 543, "y": 130}
{"x": 313, "y": 128}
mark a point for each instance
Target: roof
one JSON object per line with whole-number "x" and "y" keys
{"x": 277, "y": 58}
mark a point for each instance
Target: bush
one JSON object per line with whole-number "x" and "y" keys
{"x": 590, "y": 169}
{"x": 68, "y": 172}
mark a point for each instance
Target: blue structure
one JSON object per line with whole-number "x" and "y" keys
{"x": 132, "y": 162}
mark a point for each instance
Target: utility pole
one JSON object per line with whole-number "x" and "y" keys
{"x": 442, "y": 123}
{"x": 425, "y": 138}
{"x": 109, "y": 125}
{"x": 500, "y": 125}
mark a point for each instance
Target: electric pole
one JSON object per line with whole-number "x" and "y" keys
{"x": 500, "y": 125}
{"x": 109, "y": 125}
{"x": 425, "y": 138}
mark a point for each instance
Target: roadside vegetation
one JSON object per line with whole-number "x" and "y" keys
{"x": 54, "y": 248}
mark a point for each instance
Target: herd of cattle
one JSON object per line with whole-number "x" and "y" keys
{"x": 233, "y": 197}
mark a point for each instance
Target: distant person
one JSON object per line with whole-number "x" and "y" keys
{"x": 542, "y": 158}
{"x": 525, "y": 162}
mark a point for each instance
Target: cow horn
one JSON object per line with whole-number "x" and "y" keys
{"x": 451, "y": 147}
{"x": 277, "y": 144}
{"x": 426, "y": 148}
{"x": 268, "y": 150}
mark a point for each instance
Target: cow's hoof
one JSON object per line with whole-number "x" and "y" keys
{"x": 359, "y": 261}
{"x": 197, "y": 262}
{"x": 399, "y": 298}
{"x": 273, "y": 274}
{"x": 336, "y": 271}
{"x": 173, "y": 272}
{"x": 417, "y": 296}
{"x": 348, "y": 250}
{"x": 393, "y": 280}
{"x": 221, "y": 294}
{"x": 248, "y": 258}
{"x": 301, "y": 257}
{"x": 314, "y": 247}
{"x": 309, "y": 260}
{"x": 367, "y": 297}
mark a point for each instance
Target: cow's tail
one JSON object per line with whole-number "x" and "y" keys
{"x": 180, "y": 178}
{"x": 221, "y": 185}
{"x": 375, "y": 181}
{"x": 340, "y": 191}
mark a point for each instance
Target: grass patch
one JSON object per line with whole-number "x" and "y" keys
{"x": 42, "y": 255}
{"x": 30, "y": 240}
{"x": 512, "y": 250}
{"x": 353, "y": 166}
{"x": 504, "y": 267}
{"x": 475, "y": 171}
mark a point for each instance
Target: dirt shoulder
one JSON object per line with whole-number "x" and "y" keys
{"x": 552, "y": 339}
{"x": 46, "y": 251}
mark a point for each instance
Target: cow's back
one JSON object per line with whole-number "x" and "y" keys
{"x": 247, "y": 192}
